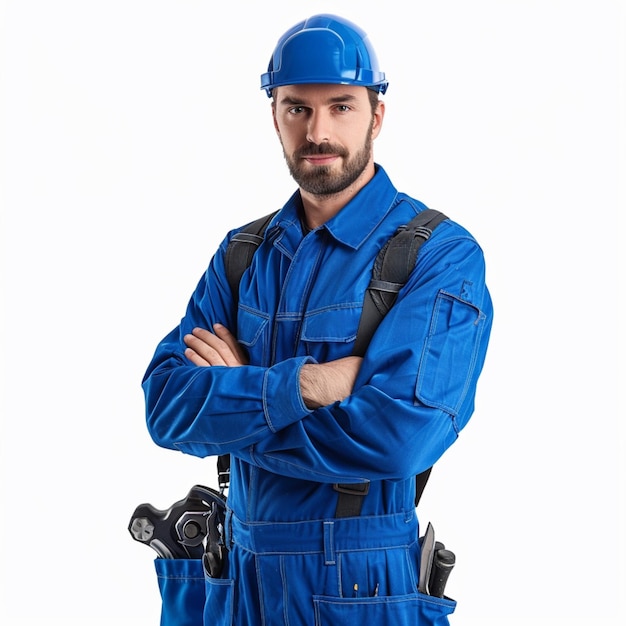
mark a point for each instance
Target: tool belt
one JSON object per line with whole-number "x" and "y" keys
{"x": 201, "y": 526}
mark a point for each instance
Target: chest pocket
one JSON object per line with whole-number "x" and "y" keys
{"x": 325, "y": 334}
{"x": 329, "y": 334}
{"x": 253, "y": 334}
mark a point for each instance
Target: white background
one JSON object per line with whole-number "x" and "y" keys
{"x": 134, "y": 135}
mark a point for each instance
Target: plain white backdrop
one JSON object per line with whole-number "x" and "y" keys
{"x": 134, "y": 135}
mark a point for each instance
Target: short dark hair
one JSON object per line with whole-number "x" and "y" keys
{"x": 373, "y": 97}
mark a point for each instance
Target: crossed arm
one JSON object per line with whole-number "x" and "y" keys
{"x": 321, "y": 384}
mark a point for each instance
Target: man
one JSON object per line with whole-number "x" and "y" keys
{"x": 268, "y": 374}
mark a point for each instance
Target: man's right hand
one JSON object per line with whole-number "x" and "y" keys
{"x": 325, "y": 383}
{"x": 220, "y": 347}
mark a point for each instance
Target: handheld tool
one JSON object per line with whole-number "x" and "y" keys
{"x": 443, "y": 563}
{"x": 178, "y": 532}
{"x": 426, "y": 558}
{"x": 215, "y": 549}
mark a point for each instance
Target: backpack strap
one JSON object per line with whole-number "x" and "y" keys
{"x": 392, "y": 267}
{"x": 241, "y": 249}
{"x": 239, "y": 253}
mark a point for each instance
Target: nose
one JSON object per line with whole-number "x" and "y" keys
{"x": 318, "y": 130}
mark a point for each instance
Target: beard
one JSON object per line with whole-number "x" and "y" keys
{"x": 321, "y": 180}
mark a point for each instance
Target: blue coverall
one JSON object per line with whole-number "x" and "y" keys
{"x": 291, "y": 561}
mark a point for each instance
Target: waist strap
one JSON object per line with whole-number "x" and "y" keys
{"x": 363, "y": 533}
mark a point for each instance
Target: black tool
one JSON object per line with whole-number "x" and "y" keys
{"x": 443, "y": 562}
{"x": 178, "y": 532}
{"x": 215, "y": 550}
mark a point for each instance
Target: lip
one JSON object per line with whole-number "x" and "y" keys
{"x": 321, "y": 159}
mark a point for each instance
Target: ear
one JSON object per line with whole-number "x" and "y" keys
{"x": 379, "y": 115}
{"x": 274, "y": 118}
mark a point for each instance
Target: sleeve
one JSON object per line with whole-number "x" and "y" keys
{"x": 213, "y": 410}
{"x": 417, "y": 384}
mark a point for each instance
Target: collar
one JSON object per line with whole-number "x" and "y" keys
{"x": 355, "y": 222}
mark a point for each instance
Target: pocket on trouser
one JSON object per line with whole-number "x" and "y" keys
{"x": 218, "y": 610}
{"x": 181, "y": 583}
{"x": 409, "y": 610}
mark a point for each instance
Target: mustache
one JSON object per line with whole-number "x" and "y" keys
{"x": 315, "y": 150}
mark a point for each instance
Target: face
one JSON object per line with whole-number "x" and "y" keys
{"x": 326, "y": 132}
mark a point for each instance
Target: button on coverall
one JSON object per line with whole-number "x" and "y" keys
{"x": 290, "y": 560}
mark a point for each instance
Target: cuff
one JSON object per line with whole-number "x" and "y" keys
{"x": 282, "y": 401}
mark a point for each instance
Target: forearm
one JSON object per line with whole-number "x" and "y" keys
{"x": 322, "y": 384}
{"x": 369, "y": 436}
{"x": 212, "y": 410}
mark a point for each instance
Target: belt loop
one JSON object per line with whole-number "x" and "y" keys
{"x": 329, "y": 543}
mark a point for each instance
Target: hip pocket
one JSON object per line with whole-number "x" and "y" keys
{"x": 410, "y": 610}
{"x": 181, "y": 583}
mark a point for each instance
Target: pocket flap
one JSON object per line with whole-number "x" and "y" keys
{"x": 337, "y": 324}
{"x": 250, "y": 325}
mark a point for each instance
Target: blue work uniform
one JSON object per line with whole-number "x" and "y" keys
{"x": 291, "y": 561}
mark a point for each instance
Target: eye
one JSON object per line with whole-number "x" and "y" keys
{"x": 296, "y": 110}
{"x": 342, "y": 108}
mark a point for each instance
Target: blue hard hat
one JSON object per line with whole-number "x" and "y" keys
{"x": 324, "y": 49}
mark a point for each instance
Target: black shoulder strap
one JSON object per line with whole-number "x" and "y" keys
{"x": 241, "y": 249}
{"x": 239, "y": 253}
{"x": 392, "y": 267}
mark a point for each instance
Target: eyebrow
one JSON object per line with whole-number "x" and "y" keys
{"x": 288, "y": 100}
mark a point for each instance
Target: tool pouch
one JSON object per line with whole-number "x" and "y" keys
{"x": 182, "y": 587}
{"x": 182, "y": 582}
{"x": 434, "y": 611}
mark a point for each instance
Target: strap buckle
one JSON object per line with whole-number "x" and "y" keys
{"x": 352, "y": 489}
{"x": 350, "y": 499}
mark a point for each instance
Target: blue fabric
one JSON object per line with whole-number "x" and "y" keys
{"x": 181, "y": 583}
{"x": 330, "y": 578}
{"x": 300, "y": 302}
